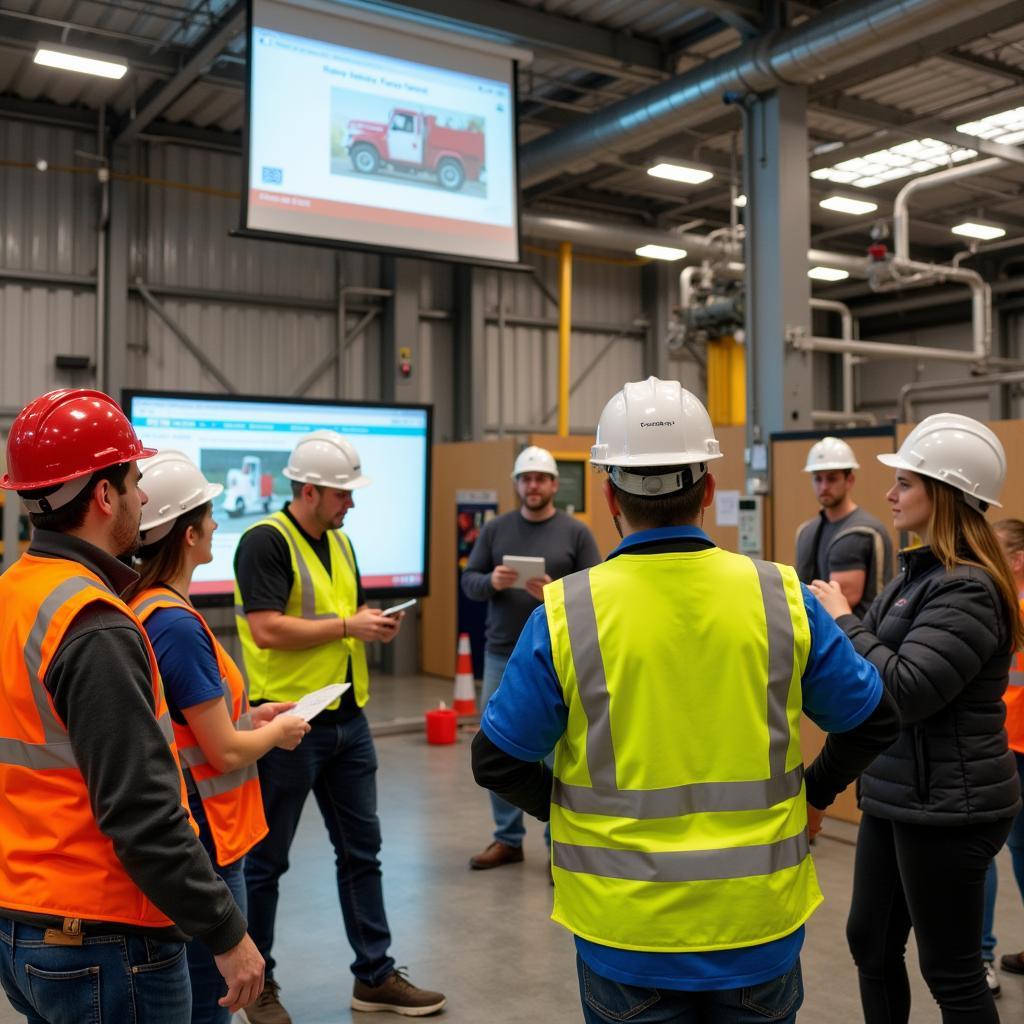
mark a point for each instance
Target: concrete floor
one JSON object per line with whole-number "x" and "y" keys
{"x": 484, "y": 938}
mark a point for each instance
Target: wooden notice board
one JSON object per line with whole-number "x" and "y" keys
{"x": 730, "y": 475}
{"x": 794, "y": 502}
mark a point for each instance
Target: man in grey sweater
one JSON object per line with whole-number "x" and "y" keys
{"x": 536, "y": 529}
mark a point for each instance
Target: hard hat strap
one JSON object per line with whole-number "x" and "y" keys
{"x": 652, "y": 485}
{"x": 63, "y": 495}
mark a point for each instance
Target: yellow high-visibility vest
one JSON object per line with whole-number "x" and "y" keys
{"x": 289, "y": 675}
{"x": 678, "y": 818}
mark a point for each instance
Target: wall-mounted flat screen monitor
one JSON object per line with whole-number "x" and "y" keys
{"x": 244, "y": 443}
{"x": 368, "y": 135}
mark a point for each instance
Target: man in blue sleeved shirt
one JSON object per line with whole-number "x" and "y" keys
{"x": 657, "y": 503}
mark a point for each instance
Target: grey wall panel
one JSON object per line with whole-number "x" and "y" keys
{"x": 47, "y": 219}
{"x": 36, "y": 325}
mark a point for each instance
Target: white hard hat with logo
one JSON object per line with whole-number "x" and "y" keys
{"x": 535, "y": 460}
{"x": 326, "y": 459}
{"x": 830, "y": 453}
{"x": 958, "y": 451}
{"x": 652, "y": 423}
{"x": 174, "y": 485}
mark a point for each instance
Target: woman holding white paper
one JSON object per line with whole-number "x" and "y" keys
{"x": 219, "y": 738}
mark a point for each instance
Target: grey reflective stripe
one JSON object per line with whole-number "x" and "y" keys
{"x": 682, "y": 865}
{"x": 191, "y": 756}
{"x": 780, "y": 663}
{"x": 1017, "y": 679}
{"x": 142, "y": 606}
{"x": 225, "y": 783}
{"x": 244, "y": 723}
{"x": 166, "y": 727}
{"x": 307, "y": 596}
{"x": 37, "y": 756}
{"x": 604, "y": 796}
{"x": 675, "y": 801}
{"x": 591, "y": 683}
{"x": 52, "y": 728}
{"x": 345, "y": 551}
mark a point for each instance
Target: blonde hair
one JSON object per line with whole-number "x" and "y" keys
{"x": 1011, "y": 534}
{"x": 960, "y": 535}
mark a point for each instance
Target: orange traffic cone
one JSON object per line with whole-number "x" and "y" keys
{"x": 465, "y": 688}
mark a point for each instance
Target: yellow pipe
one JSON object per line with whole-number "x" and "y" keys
{"x": 564, "y": 334}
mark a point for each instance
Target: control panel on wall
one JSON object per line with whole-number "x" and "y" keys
{"x": 751, "y": 526}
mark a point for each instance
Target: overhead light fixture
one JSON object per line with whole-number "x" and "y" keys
{"x": 740, "y": 201}
{"x": 827, "y": 274}
{"x": 844, "y": 204}
{"x": 1006, "y": 127}
{"x": 661, "y": 252}
{"x": 79, "y": 60}
{"x": 971, "y": 229}
{"x": 685, "y": 173}
{"x": 913, "y": 157}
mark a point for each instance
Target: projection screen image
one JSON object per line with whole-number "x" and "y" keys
{"x": 374, "y": 137}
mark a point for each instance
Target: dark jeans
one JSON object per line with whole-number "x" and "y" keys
{"x": 606, "y": 1001}
{"x": 207, "y": 983}
{"x": 109, "y": 979}
{"x": 1015, "y": 842}
{"x": 930, "y": 878}
{"x": 339, "y": 764}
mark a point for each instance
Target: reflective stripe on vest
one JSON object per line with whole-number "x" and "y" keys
{"x": 1016, "y": 679}
{"x": 604, "y": 797}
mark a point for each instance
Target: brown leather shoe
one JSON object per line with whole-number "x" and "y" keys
{"x": 1012, "y": 962}
{"x": 396, "y": 994}
{"x": 496, "y": 855}
{"x": 268, "y": 1009}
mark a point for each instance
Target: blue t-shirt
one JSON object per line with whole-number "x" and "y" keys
{"x": 527, "y": 716}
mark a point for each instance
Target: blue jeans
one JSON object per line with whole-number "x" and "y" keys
{"x": 109, "y": 979}
{"x": 1016, "y": 844}
{"x": 508, "y": 819}
{"x": 338, "y": 763}
{"x": 207, "y": 983}
{"x": 607, "y": 1002}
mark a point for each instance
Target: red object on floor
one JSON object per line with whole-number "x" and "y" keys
{"x": 442, "y": 725}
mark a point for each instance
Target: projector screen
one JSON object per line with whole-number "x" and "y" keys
{"x": 243, "y": 443}
{"x": 372, "y": 137}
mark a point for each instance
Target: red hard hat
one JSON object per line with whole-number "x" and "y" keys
{"x": 68, "y": 434}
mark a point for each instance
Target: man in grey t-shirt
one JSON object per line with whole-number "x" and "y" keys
{"x": 537, "y": 529}
{"x": 842, "y": 542}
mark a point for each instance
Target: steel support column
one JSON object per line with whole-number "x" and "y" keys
{"x": 779, "y": 392}
{"x": 113, "y": 281}
{"x": 468, "y": 364}
{"x": 401, "y": 328}
{"x": 657, "y": 289}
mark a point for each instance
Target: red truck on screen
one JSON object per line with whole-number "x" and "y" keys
{"x": 411, "y": 141}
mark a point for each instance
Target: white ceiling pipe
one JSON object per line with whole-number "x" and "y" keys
{"x": 846, "y": 331}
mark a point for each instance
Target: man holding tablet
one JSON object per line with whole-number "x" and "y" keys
{"x": 515, "y": 555}
{"x": 304, "y": 624}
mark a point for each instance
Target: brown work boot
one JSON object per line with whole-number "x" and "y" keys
{"x": 396, "y": 994}
{"x": 1012, "y": 962}
{"x": 268, "y": 1009}
{"x": 496, "y": 855}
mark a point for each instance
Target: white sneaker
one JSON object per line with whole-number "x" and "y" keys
{"x": 992, "y": 979}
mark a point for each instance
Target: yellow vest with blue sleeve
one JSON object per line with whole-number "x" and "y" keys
{"x": 678, "y": 818}
{"x": 289, "y": 675}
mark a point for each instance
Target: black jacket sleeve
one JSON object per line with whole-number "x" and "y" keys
{"x": 846, "y": 754}
{"x": 476, "y": 577}
{"x": 525, "y": 784}
{"x": 101, "y": 688}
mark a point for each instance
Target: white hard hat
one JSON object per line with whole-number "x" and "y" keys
{"x": 326, "y": 459}
{"x": 654, "y": 423}
{"x": 535, "y": 460}
{"x": 174, "y": 485}
{"x": 958, "y": 451}
{"x": 830, "y": 453}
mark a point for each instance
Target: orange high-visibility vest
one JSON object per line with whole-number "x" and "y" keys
{"x": 54, "y": 859}
{"x": 1014, "y": 698}
{"x": 232, "y": 800}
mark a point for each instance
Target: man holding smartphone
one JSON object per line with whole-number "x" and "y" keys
{"x": 303, "y": 623}
{"x": 536, "y": 529}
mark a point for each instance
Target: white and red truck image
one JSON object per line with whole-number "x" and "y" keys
{"x": 412, "y": 141}
{"x": 248, "y": 489}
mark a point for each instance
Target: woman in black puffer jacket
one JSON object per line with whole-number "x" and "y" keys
{"x": 938, "y": 804}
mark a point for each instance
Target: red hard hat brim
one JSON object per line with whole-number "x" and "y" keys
{"x": 7, "y": 484}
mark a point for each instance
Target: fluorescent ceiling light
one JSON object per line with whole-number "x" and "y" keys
{"x": 843, "y": 204}
{"x": 971, "y": 229}
{"x": 86, "y": 64}
{"x": 1007, "y": 127}
{"x": 681, "y": 172}
{"x": 660, "y": 252}
{"x": 740, "y": 201}
{"x": 827, "y": 274}
{"x": 914, "y": 157}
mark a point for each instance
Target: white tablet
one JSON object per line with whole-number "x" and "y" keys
{"x": 528, "y": 567}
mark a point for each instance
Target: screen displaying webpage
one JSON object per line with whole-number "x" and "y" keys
{"x": 244, "y": 445}
{"x": 375, "y": 137}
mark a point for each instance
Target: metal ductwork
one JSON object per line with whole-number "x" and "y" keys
{"x": 851, "y": 33}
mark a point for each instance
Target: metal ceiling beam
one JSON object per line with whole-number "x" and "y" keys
{"x": 581, "y": 43}
{"x": 205, "y": 52}
{"x": 746, "y": 16}
{"x": 987, "y": 65}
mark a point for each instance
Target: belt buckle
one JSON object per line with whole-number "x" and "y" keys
{"x": 69, "y": 935}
